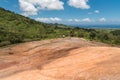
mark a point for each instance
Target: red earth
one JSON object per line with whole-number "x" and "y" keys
{"x": 60, "y": 59}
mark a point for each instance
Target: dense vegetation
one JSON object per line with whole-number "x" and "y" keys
{"x": 15, "y": 28}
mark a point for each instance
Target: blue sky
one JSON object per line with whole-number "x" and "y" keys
{"x": 67, "y": 11}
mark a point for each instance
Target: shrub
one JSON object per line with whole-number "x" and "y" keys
{"x": 15, "y": 38}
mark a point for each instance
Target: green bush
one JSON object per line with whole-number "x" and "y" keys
{"x": 15, "y": 38}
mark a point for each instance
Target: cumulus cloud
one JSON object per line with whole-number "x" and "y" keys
{"x": 80, "y": 20}
{"x": 97, "y": 11}
{"x": 49, "y": 20}
{"x": 87, "y": 20}
{"x": 70, "y": 20}
{"x": 74, "y": 20}
{"x": 31, "y": 7}
{"x": 102, "y": 19}
{"x": 82, "y": 4}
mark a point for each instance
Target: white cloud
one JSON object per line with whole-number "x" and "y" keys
{"x": 86, "y": 20}
{"x": 70, "y": 20}
{"x": 77, "y": 20}
{"x": 74, "y": 20}
{"x": 82, "y": 4}
{"x": 42, "y": 19}
{"x": 31, "y": 7}
{"x": 27, "y": 8}
{"x": 56, "y": 19}
{"x": 97, "y": 11}
{"x": 80, "y": 20}
{"x": 102, "y": 19}
{"x": 49, "y": 20}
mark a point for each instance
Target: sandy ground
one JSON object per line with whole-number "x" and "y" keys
{"x": 60, "y": 59}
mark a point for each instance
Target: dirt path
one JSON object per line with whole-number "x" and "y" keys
{"x": 60, "y": 59}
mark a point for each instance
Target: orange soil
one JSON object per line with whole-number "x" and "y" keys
{"x": 60, "y": 59}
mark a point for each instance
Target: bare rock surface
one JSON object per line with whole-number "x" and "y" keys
{"x": 60, "y": 59}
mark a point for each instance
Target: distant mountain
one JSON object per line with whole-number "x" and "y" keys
{"x": 99, "y": 26}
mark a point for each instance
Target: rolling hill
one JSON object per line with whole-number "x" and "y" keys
{"x": 15, "y": 28}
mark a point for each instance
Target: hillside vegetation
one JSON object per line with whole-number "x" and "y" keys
{"x": 15, "y": 28}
